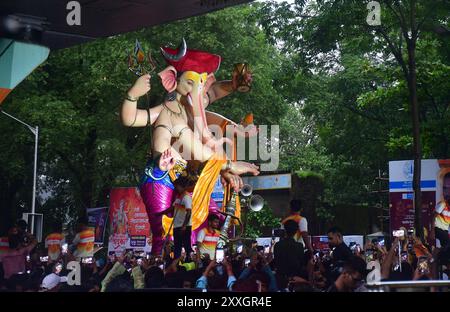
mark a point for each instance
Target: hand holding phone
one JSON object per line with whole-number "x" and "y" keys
{"x": 423, "y": 265}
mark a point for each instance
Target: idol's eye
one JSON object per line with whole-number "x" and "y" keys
{"x": 190, "y": 82}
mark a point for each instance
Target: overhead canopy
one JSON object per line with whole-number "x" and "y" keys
{"x": 45, "y": 21}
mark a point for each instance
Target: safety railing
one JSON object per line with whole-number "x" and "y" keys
{"x": 169, "y": 290}
{"x": 404, "y": 285}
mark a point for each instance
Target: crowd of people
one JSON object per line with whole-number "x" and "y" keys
{"x": 288, "y": 264}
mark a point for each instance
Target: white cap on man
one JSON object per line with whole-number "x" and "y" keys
{"x": 52, "y": 280}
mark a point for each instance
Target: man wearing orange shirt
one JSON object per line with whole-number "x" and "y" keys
{"x": 208, "y": 237}
{"x": 84, "y": 242}
{"x": 54, "y": 241}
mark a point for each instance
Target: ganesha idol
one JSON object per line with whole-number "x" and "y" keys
{"x": 182, "y": 144}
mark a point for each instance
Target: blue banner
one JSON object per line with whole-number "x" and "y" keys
{"x": 408, "y": 184}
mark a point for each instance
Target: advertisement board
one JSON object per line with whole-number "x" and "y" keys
{"x": 128, "y": 221}
{"x": 401, "y": 196}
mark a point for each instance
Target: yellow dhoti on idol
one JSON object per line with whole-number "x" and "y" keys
{"x": 202, "y": 194}
{"x": 201, "y": 197}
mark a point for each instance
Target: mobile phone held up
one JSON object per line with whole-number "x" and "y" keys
{"x": 369, "y": 255}
{"x": 398, "y": 233}
{"x": 219, "y": 255}
{"x": 87, "y": 260}
{"x": 44, "y": 259}
{"x": 64, "y": 248}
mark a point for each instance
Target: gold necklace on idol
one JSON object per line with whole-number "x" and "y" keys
{"x": 171, "y": 112}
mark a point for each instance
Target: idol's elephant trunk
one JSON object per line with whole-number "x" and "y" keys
{"x": 197, "y": 105}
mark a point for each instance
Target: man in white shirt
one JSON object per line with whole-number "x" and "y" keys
{"x": 182, "y": 220}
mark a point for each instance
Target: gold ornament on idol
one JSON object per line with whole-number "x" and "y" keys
{"x": 172, "y": 113}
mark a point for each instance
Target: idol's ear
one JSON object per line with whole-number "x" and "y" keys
{"x": 209, "y": 81}
{"x": 169, "y": 78}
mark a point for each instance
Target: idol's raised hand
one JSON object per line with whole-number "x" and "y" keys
{"x": 241, "y": 167}
{"x": 140, "y": 87}
{"x": 247, "y": 79}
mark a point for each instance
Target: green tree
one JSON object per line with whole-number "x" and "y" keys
{"x": 359, "y": 82}
{"x": 75, "y": 99}
{"x": 255, "y": 221}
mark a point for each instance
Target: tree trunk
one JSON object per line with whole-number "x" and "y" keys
{"x": 417, "y": 149}
{"x": 417, "y": 156}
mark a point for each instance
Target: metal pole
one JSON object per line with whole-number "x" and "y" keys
{"x": 35, "y": 131}
{"x": 399, "y": 284}
{"x": 380, "y": 199}
{"x": 33, "y": 203}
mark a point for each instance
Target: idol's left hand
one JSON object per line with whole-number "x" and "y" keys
{"x": 234, "y": 180}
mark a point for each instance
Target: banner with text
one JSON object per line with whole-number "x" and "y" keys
{"x": 128, "y": 221}
{"x": 401, "y": 196}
